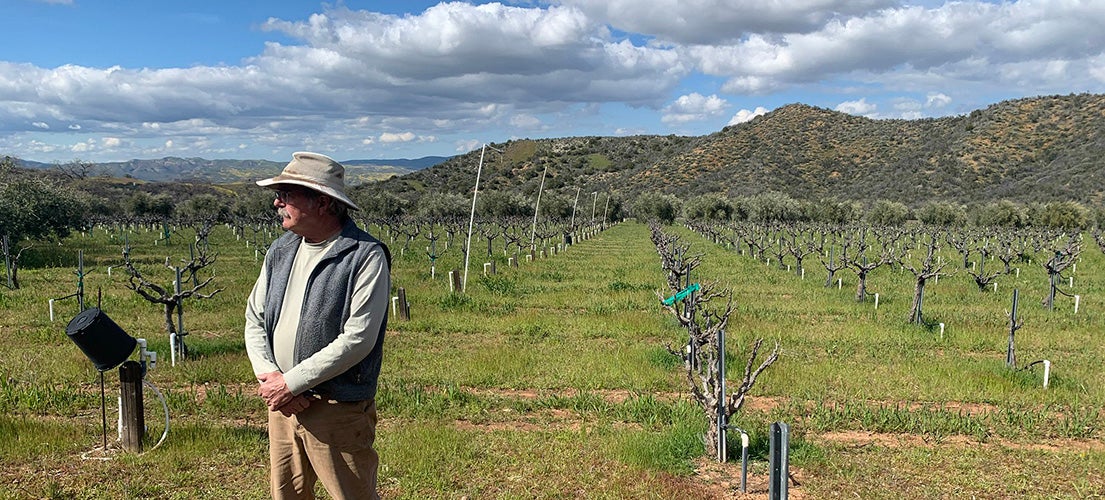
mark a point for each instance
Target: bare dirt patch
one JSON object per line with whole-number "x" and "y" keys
{"x": 608, "y": 395}
{"x": 723, "y": 480}
{"x": 864, "y": 438}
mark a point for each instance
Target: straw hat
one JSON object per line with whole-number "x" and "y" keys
{"x": 314, "y": 171}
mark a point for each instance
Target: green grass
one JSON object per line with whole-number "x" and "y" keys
{"x": 554, "y": 379}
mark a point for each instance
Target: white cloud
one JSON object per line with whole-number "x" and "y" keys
{"x": 41, "y": 125}
{"x": 626, "y": 131}
{"x": 111, "y": 142}
{"x": 525, "y": 121}
{"x": 83, "y": 147}
{"x": 468, "y": 145}
{"x": 937, "y": 100}
{"x": 745, "y": 115}
{"x": 387, "y": 137}
{"x": 714, "y": 21}
{"x": 693, "y": 107}
{"x": 860, "y": 107}
{"x": 1007, "y": 45}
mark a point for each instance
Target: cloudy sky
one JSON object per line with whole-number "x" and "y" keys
{"x": 110, "y": 80}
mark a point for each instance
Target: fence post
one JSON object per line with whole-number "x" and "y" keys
{"x": 7, "y": 261}
{"x": 404, "y": 307}
{"x": 777, "y": 482}
{"x": 1010, "y": 351}
{"x": 722, "y": 405}
{"x": 454, "y": 281}
{"x": 130, "y": 408}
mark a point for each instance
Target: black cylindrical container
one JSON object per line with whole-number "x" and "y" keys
{"x": 103, "y": 341}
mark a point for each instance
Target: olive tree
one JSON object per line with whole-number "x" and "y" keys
{"x": 710, "y": 207}
{"x": 1064, "y": 215}
{"x": 443, "y": 205}
{"x": 655, "y": 206}
{"x": 942, "y": 213}
{"x": 774, "y": 207}
{"x": 1002, "y": 213}
{"x": 34, "y": 209}
{"x": 888, "y": 213}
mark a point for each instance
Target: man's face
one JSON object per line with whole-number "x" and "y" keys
{"x": 297, "y": 207}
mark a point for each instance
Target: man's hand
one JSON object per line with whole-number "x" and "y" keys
{"x": 274, "y": 390}
{"x": 296, "y": 405}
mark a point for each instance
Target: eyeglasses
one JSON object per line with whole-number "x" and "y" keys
{"x": 284, "y": 194}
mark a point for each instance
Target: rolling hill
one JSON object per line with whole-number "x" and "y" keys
{"x": 1027, "y": 150}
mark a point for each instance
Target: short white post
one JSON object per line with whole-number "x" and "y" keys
{"x": 936, "y": 279}
{"x": 1071, "y": 282}
{"x": 839, "y": 283}
{"x": 1047, "y": 372}
{"x": 876, "y": 300}
{"x": 51, "y": 310}
{"x": 803, "y": 273}
{"x": 108, "y": 271}
{"x": 394, "y": 306}
{"x": 1018, "y": 272}
{"x": 172, "y": 349}
{"x": 1077, "y": 299}
{"x": 995, "y": 287}
{"x": 941, "y": 331}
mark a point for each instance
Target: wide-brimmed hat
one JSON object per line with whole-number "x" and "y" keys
{"x": 314, "y": 171}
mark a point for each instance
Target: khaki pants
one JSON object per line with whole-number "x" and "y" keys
{"x": 329, "y": 441}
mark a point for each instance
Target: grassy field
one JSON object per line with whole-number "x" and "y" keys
{"x": 553, "y": 379}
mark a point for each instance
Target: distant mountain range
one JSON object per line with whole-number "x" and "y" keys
{"x": 173, "y": 169}
{"x": 1039, "y": 149}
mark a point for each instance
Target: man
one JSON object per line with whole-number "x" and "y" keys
{"x": 314, "y": 333}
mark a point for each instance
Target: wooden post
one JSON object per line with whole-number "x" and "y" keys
{"x": 133, "y": 416}
{"x": 454, "y": 281}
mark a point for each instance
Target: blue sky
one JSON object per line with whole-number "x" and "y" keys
{"x": 115, "y": 80}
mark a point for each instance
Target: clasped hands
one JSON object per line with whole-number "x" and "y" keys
{"x": 275, "y": 392}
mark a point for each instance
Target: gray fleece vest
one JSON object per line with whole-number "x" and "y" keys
{"x": 326, "y": 306}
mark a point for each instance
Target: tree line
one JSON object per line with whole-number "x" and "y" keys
{"x": 772, "y": 207}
